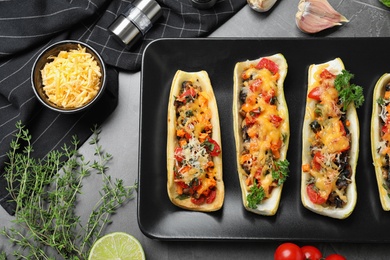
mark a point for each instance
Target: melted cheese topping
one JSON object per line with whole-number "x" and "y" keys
{"x": 194, "y": 173}
{"x": 333, "y": 137}
{"x": 196, "y": 157}
{"x": 72, "y": 79}
{"x": 330, "y": 141}
{"x": 261, "y": 124}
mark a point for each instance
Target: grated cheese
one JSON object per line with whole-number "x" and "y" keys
{"x": 257, "y": 154}
{"x": 194, "y": 118}
{"x": 331, "y": 141}
{"x": 195, "y": 155}
{"x": 72, "y": 79}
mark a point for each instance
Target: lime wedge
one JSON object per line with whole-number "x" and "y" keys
{"x": 117, "y": 246}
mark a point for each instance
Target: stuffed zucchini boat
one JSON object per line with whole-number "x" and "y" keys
{"x": 380, "y": 138}
{"x": 261, "y": 131}
{"x": 194, "y": 155}
{"x": 330, "y": 140}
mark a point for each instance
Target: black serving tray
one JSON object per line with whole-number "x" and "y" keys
{"x": 367, "y": 58}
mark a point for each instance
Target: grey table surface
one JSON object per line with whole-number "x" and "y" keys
{"x": 367, "y": 18}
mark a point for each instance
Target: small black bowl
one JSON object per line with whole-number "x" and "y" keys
{"x": 54, "y": 50}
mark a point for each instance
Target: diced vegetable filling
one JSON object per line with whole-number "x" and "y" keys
{"x": 194, "y": 167}
{"x": 384, "y": 145}
{"x": 262, "y": 133}
{"x": 330, "y": 141}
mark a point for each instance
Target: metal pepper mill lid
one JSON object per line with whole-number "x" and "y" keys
{"x": 135, "y": 21}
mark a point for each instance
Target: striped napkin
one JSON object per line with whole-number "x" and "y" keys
{"x": 28, "y": 26}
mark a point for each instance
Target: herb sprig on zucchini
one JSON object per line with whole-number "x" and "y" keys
{"x": 349, "y": 93}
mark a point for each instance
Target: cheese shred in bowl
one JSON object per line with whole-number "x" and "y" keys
{"x": 72, "y": 79}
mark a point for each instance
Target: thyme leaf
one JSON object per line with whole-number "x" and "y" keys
{"x": 45, "y": 192}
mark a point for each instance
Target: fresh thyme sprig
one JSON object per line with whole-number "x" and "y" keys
{"x": 45, "y": 192}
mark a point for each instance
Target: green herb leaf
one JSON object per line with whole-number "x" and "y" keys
{"x": 208, "y": 145}
{"x": 280, "y": 173}
{"x": 348, "y": 93}
{"x": 189, "y": 113}
{"x": 284, "y": 137}
{"x": 385, "y": 2}
{"x": 183, "y": 196}
{"x": 255, "y": 196}
{"x": 380, "y": 101}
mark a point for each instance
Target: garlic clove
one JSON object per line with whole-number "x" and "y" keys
{"x": 317, "y": 15}
{"x": 261, "y": 5}
{"x": 310, "y": 23}
{"x": 323, "y": 9}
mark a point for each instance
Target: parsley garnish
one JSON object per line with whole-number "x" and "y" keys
{"x": 380, "y": 101}
{"x": 280, "y": 172}
{"x": 348, "y": 93}
{"x": 255, "y": 196}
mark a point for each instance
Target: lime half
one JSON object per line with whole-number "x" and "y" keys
{"x": 117, "y": 246}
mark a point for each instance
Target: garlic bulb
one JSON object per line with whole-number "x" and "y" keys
{"x": 317, "y": 15}
{"x": 261, "y": 5}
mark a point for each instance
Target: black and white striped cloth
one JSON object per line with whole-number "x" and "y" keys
{"x": 28, "y": 26}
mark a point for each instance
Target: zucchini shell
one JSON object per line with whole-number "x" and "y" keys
{"x": 335, "y": 67}
{"x": 270, "y": 205}
{"x": 379, "y": 91}
{"x": 202, "y": 78}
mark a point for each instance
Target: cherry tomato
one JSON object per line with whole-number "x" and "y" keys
{"x": 288, "y": 251}
{"x": 313, "y": 195}
{"x": 256, "y": 85}
{"x": 268, "y": 64}
{"x": 198, "y": 201}
{"x": 325, "y": 74}
{"x": 276, "y": 120}
{"x": 252, "y": 116}
{"x": 311, "y": 253}
{"x": 189, "y": 93}
{"x": 213, "y": 147}
{"x": 182, "y": 184}
{"x": 179, "y": 154}
{"x": 268, "y": 95}
{"x": 211, "y": 197}
{"x": 250, "y": 120}
{"x": 335, "y": 257}
{"x": 315, "y": 93}
{"x": 317, "y": 159}
{"x": 385, "y": 128}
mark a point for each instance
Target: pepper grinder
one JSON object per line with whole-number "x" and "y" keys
{"x": 135, "y": 21}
